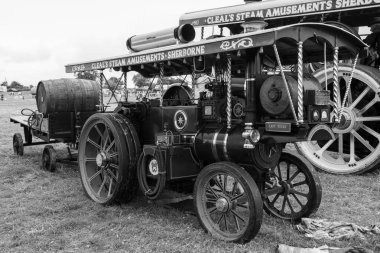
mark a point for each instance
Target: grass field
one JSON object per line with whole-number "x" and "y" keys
{"x": 43, "y": 211}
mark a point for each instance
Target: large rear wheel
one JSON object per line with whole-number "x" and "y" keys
{"x": 228, "y": 202}
{"x": 356, "y": 147}
{"x": 108, "y": 153}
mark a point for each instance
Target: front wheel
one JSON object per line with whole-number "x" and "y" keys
{"x": 228, "y": 202}
{"x": 292, "y": 188}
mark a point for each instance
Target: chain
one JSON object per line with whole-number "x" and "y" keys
{"x": 300, "y": 81}
{"x": 285, "y": 82}
{"x": 228, "y": 80}
{"x": 348, "y": 88}
{"x": 335, "y": 83}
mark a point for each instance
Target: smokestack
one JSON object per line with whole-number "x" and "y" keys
{"x": 254, "y": 24}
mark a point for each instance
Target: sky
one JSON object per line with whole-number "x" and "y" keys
{"x": 39, "y": 37}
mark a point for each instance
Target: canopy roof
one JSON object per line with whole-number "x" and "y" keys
{"x": 178, "y": 59}
{"x": 351, "y": 12}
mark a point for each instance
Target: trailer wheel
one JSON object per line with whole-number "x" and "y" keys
{"x": 356, "y": 148}
{"x": 49, "y": 158}
{"x": 18, "y": 144}
{"x": 108, "y": 153}
{"x": 292, "y": 188}
{"x": 228, "y": 202}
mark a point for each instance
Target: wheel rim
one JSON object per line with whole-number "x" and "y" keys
{"x": 225, "y": 205}
{"x": 356, "y": 146}
{"x": 291, "y": 191}
{"x": 100, "y": 161}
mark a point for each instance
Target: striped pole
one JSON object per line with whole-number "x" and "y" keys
{"x": 300, "y": 82}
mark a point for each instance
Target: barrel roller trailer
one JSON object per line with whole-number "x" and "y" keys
{"x": 222, "y": 139}
{"x": 355, "y": 148}
{"x": 63, "y": 106}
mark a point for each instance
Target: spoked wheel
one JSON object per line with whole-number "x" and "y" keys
{"x": 292, "y": 189}
{"x": 228, "y": 202}
{"x": 108, "y": 153}
{"x": 356, "y": 147}
{"x": 49, "y": 158}
{"x": 18, "y": 144}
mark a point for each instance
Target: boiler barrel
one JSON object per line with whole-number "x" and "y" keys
{"x": 67, "y": 95}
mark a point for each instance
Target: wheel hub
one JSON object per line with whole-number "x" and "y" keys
{"x": 222, "y": 204}
{"x": 101, "y": 159}
{"x": 347, "y": 121}
{"x": 286, "y": 187}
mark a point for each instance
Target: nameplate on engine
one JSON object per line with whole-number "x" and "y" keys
{"x": 281, "y": 127}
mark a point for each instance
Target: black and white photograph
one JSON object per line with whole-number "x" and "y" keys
{"x": 190, "y": 126}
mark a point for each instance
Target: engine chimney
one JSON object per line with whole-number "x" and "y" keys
{"x": 254, "y": 24}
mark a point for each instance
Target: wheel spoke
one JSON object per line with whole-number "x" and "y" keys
{"x": 369, "y": 105}
{"x": 299, "y": 183}
{"x": 297, "y": 199}
{"x": 279, "y": 172}
{"x": 212, "y": 210}
{"x": 225, "y": 222}
{"x": 110, "y": 146}
{"x": 110, "y": 187}
{"x": 212, "y": 191}
{"x": 359, "y": 98}
{"x": 290, "y": 205}
{"x": 113, "y": 155}
{"x": 326, "y": 146}
{"x": 236, "y": 222}
{"x": 238, "y": 196}
{"x": 218, "y": 183}
{"x": 102, "y": 185}
{"x": 112, "y": 174}
{"x": 287, "y": 171}
{"x": 283, "y": 203}
{"x": 299, "y": 193}
{"x": 340, "y": 145}
{"x": 275, "y": 199}
{"x": 242, "y": 206}
{"x": 98, "y": 130}
{"x": 371, "y": 131}
{"x": 375, "y": 118}
{"x": 220, "y": 218}
{"x": 238, "y": 216}
{"x": 364, "y": 142}
{"x": 352, "y": 148}
{"x": 234, "y": 187}
{"x": 96, "y": 145}
{"x": 294, "y": 176}
{"x": 106, "y": 136}
{"x": 90, "y": 159}
{"x": 94, "y": 176}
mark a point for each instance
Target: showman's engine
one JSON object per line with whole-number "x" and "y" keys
{"x": 222, "y": 138}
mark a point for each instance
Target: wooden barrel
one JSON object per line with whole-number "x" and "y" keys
{"x": 67, "y": 95}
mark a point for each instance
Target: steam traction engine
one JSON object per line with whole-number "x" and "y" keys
{"x": 229, "y": 136}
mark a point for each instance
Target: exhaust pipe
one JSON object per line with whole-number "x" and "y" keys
{"x": 183, "y": 34}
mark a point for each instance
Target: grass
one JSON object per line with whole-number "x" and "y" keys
{"x": 42, "y": 211}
